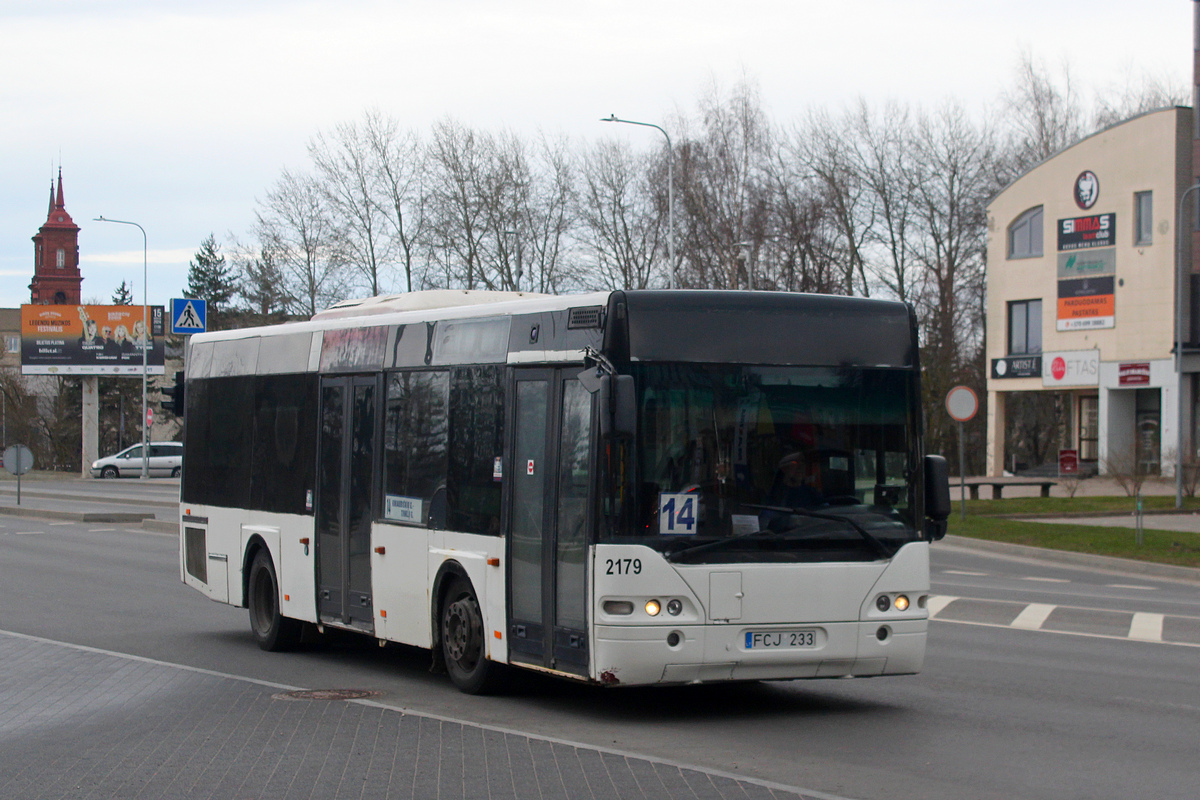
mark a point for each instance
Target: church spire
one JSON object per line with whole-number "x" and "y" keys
{"x": 59, "y": 202}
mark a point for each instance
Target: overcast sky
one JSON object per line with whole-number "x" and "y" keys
{"x": 179, "y": 115}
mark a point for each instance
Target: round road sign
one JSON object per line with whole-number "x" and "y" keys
{"x": 18, "y": 459}
{"x": 962, "y": 403}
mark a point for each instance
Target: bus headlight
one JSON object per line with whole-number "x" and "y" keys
{"x": 883, "y": 602}
{"x": 901, "y": 602}
{"x": 653, "y": 607}
{"x": 674, "y": 608}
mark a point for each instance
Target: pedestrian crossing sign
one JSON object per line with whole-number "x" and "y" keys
{"x": 188, "y": 315}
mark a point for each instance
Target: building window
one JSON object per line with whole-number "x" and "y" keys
{"x": 1025, "y": 235}
{"x": 1143, "y": 216}
{"x": 61, "y": 258}
{"x": 1024, "y": 327}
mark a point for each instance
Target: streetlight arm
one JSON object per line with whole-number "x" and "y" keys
{"x": 670, "y": 187}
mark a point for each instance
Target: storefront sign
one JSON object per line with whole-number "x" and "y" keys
{"x": 1136, "y": 374}
{"x": 1086, "y": 303}
{"x": 1087, "y": 263}
{"x": 1071, "y": 368}
{"x": 1080, "y": 233}
{"x": 1017, "y": 367}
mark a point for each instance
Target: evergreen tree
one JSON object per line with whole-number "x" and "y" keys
{"x": 123, "y": 296}
{"x": 211, "y": 278}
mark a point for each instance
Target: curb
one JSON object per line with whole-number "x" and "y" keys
{"x": 1109, "y": 563}
{"x": 78, "y": 516}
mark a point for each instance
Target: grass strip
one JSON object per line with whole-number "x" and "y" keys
{"x": 1160, "y": 547}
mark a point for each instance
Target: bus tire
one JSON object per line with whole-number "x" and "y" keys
{"x": 272, "y": 630}
{"x": 463, "y": 642}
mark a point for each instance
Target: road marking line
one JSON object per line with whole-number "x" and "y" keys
{"x": 62, "y": 523}
{"x": 1046, "y": 580}
{"x": 1132, "y": 586}
{"x": 1032, "y": 617}
{"x": 1146, "y": 627}
{"x": 964, "y": 572}
{"x": 28, "y": 533}
{"x": 100, "y": 530}
{"x": 938, "y": 603}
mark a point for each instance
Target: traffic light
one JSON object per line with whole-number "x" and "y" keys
{"x": 173, "y": 395}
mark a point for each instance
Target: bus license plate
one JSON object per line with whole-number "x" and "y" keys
{"x": 767, "y": 640}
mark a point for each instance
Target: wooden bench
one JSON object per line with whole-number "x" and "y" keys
{"x": 998, "y": 485}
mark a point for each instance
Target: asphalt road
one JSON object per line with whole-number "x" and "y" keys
{"x": 1041, "y": 681}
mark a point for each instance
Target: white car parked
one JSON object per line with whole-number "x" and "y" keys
{"x": 166, "y": 460}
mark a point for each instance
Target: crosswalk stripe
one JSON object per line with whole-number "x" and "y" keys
{"x": 1147, "y": 627}
{"x": 1032, "y": 617}
{"x": 938, "y": 602}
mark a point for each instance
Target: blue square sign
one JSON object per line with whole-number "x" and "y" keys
{"x": 188, "y": 315}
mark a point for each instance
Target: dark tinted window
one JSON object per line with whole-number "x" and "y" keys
{"x": 416, "y": 443}
{"x": 219, "y": 427}
{"x": 476, "y": 444}
{"x": 284, "y": 441}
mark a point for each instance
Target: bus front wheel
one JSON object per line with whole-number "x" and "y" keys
{"x": 271, "y": 629}
{"x": 463, "y": 642}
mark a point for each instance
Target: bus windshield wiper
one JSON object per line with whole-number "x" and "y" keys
{"x": 877, "y": 545}
{"x": 697, "y": 548}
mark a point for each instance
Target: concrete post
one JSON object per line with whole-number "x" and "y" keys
{"x": 90, "y": 386}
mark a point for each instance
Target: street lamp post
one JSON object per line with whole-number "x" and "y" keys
{"x": 145, "y": 343}
{"x": 1179, "y": 273}
{"x": 670, "y": 188}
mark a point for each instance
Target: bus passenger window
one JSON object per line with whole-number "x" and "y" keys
{"x": 416, "y": 441}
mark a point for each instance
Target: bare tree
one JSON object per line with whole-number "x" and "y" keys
{"x": 1145, "y": 92}
{"x": 619, "y": 224}
{"x": 1044, "y": 112}
{"x": 399, "y": 163}
{"x": 549, "y": 218}
{"x": 723, "y": 190}
{"x": 295, "y": 225}
{"x": 458, "y": 164}
{"x": 347, "y": 167}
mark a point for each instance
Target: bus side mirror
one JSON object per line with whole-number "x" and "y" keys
{"x": 618, "y": 406}
{"x": 937, "y": 494}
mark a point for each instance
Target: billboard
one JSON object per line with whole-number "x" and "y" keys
{"x": 90, "y": 340}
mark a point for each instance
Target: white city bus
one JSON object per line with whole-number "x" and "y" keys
{"x": 627, "y": 488}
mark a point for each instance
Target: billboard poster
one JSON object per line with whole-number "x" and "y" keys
{"x": 90, "y": 340}
{"x": 1087, "y": 303}
{"x": 1080, "y": 233}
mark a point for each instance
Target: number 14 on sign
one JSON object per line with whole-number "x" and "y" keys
{"x": 677, "y": 513}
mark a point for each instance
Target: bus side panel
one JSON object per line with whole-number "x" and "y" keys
{"x": 400, "y": 584}
{"x": 472, "y": 552}
{"x": 295, "y": 563}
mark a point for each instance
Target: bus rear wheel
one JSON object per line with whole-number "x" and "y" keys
{"x": 463, "y": 642}
{"x": 272, "y": 630}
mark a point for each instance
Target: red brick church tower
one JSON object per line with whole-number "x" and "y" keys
{"x": 56, "y": 278}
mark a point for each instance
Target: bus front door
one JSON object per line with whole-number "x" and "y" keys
{"x": 548, "y": 535}
{"x": 345, "y": 461}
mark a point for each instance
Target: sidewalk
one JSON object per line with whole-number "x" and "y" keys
{"x": 81, "y": 722}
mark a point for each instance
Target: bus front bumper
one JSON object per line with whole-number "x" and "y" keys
{"x": 657, "y": 654}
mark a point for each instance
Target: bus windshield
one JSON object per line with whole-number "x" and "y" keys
{"x": 739, "y": 463}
